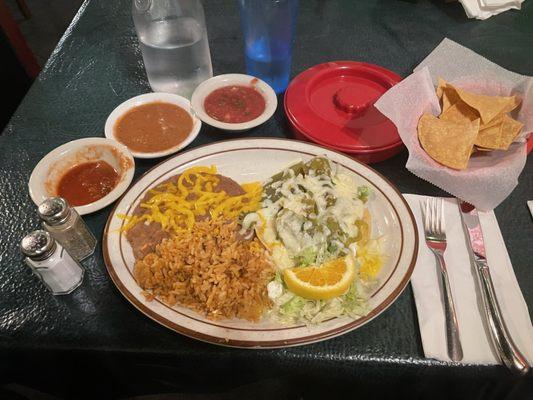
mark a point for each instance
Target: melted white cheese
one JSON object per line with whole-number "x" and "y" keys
{"x": 303, "y": 202}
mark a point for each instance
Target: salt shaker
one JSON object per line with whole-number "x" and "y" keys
{"x": 56, "y": 268}
{"x": 67, "y": 227}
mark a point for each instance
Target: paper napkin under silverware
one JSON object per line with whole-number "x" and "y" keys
{"x": 475, "y": 337}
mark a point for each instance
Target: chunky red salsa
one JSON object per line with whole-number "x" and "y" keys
{"x": 234, "y": 104}
{"x": 85, "y": 183}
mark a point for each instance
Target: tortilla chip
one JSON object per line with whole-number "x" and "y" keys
{"x": 447, "y": 142}
{"x": 446, "y": 94}
{"x": 460, "y": 113}
{"x": 489, "y": 138}
{"x": 512, "y": 104}
{"x": 488, "y": 107}
{"x": 467, "y": 119}
{"x": 493, "y": 122}
{"x": 480, "y": 152}
{"x": 449, "y": 97}
{"x": 442, "y": 85}
{"x": 499, "y": 136}
{"x": 510, "y": 130}
{"x": 446, "y": 101}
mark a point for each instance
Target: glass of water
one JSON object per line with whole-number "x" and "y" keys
{"x": 173, "y": 40}
{"x": 268, "y": 27}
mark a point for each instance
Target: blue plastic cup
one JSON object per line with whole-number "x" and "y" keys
{"x": 268, "y": 27}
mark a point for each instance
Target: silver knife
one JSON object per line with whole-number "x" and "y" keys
{"x": 509, "y": 354}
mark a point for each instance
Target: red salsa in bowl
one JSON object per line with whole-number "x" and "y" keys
{"x": 87, "y": 182}
{"x": 234, "y": 104}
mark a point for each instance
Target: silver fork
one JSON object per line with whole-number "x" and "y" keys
{"x": 435, "y": 232}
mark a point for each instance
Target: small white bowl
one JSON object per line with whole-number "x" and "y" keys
{"x": 206, "y": 87}
{"x": 151, "y": 98}
{"x": 47, "y": 173}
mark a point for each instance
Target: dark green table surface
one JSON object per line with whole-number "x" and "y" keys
{"x": 96, "y": 66}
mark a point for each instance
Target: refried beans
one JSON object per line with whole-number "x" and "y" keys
{"x": 144, "y": 237}
{"x": 153, "y": 127}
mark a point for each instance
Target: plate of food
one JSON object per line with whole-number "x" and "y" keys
{"x": 261, "y": 243}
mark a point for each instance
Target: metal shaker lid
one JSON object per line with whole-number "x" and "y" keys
{"x": 38, "y": 245}
{"x": 54, "y": 210}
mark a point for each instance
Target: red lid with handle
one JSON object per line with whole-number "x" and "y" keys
{"x": 333, "y": 104}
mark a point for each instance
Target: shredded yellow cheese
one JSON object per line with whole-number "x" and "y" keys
{"x": 176, "y": 205}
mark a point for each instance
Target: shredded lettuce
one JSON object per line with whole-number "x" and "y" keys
{"x": 353, "y": 303}
{"x": 279, "y": 277}
{"x": 289, "y": 308}
{"x": 306, "y": 257}
{"x": 317, "y": 255}
{"x": 293, "y": 307}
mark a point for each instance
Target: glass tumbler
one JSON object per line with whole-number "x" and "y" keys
{"x": 174, "y": 45}
{"x": 268, "y": 28}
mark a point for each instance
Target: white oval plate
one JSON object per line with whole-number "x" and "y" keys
{"x": 257, "y": 159}
{"x": 219, "y": 81}
{"x": 48, "y": 171}
{"x": 151, "y": 98}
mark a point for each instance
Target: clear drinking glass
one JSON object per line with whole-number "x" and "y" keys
{"x": 173, "y": 40}
{"x": 268, "y": 28}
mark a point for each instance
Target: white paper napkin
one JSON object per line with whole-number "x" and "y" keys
{"x": 475, "y": 339}
{"x": 483, "y": 9}
{"x": 489, "y": 178}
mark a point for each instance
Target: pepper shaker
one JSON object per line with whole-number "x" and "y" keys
{"x": 67, "y": 227}
{"x": 50, "y": 261}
